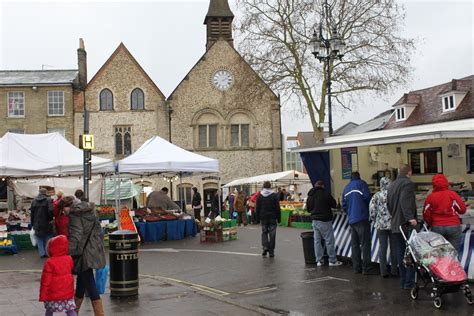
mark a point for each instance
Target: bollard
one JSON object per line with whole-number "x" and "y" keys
{"x": 123, "y": 255}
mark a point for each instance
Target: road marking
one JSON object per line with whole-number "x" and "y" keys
{"x": 258, "y": 290}
{"x": 195, "y": 286}
{"x": 172, "y": 250}
{"x": 328, "y": 278}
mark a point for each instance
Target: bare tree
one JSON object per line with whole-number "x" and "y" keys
{"x": 274, "y": 38}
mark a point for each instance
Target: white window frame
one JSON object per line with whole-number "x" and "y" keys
{"x": 10, "y": 114}
{"x": 59, "y": 130}
{"x": 401, "y": 114}
{"x": 450, "y": 102}
{"x": 53, "y": 103}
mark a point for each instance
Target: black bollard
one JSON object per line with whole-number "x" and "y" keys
{"x": 123, "y": 255}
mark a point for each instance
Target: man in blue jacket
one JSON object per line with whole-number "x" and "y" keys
{"x": 355, "y": 201}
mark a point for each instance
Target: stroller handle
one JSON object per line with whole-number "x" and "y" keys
{"x": 419, "y": 225}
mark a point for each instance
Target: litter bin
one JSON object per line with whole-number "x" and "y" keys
{"x": 123, "y": 255}
{"x": 308, "y": 247}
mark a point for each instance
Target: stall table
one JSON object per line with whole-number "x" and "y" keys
{"x": 166, "y": 230}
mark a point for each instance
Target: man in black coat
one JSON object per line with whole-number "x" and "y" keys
{"x": 320, "y": 203}
{"x": 196, "y": 204}
{"x": 267, "y": 208}
{"x": 41, "y": 219}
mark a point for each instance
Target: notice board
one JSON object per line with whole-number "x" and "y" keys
{"x": 349, "y": 161}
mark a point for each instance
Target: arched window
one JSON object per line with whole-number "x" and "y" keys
{"x": 106, "y": 100}
{"x": 123, "y": 140}
{"x": 137, "y": 99}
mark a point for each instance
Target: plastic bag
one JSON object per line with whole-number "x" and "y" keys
{"x": 427, "y": 246}
{"x": 32, "y": 237}
{"x": 101, "y": 276}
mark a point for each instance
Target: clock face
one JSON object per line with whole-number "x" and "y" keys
{"x": 222, "y": 79}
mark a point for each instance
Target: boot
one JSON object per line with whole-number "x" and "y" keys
{"x": 98, "y": 308}
{"x": 78, "y": 302}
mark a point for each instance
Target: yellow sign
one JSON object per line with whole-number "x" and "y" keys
{"x": 88, "y": 142}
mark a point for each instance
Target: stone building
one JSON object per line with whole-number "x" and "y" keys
{"x": 223, "y": 109}
{"x": 38, "y": 101}
{"x": 125, "y": 106}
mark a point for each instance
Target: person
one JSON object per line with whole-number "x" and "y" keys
{"x": 61, "y": 215}
{"x": 442, "y": 209}
{"x": 57, "y": 282}
{"x": 216, "y": 201}
{"x": 160, "y": 199}
{"x": 59, "y": 196}
{"x": 196, "y": 204}
{"x": 267, "y": 208}
{"x": 230, "y": 199}
{"x": 251, "y": 204}
{"x": 401, "y": 203}
{"x": 381, "y": 217}
{"x": 239, "y": 207}
{"x": 87, "y": 248}
{"x": 280, "y": 194}
{"x": 320, "y": 204}
{"x": 41, "y": 219}
{"x": 355, "y": 202}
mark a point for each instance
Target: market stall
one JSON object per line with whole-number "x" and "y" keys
{"x": 157, "y": 157}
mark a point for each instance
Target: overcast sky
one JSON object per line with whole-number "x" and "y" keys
{"x": 168, "y": 37}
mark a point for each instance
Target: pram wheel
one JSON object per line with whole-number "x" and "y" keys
{"x": 469, "y": 298}
{"x": 414, "y": 293}
{"x": 438, "y": 302}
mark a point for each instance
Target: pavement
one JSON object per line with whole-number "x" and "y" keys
{"x": 191, "y": 278}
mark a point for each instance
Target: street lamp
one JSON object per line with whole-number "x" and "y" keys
{"x": 325, "y": 49}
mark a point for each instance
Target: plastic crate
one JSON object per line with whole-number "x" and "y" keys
{"x": 285, "y": 216}
{"x": 305, "y": 225}
{"x": 233, "y": 223}
{"x": 225, "y": 214}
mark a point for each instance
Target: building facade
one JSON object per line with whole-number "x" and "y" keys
{"x": 38, "y": 101}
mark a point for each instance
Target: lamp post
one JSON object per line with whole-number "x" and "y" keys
{"x": 327, "y": 48}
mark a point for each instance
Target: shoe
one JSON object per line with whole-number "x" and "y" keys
{"x": 264, "y": 253}
{"x": 357, "y": 272}
{"x": 98, "y": 308}
{"x": 370, "y": 272}
{"x": 320, "y": 264}
{"x": 272, "y": 254}
{"x": 385, "y": 276}
{"x": 335, "y": 264}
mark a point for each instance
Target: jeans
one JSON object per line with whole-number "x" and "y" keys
{"x": 385, "y": 236}
{"x": 407, "y": 275}
{"x": 451, "y": 233}
{"x": 85, "y": 281}
{"x": 360, "y": 236}
{"x": 268, "y": 236}
{"x": 324, "y": 230}
{"x": 42, "y": 242}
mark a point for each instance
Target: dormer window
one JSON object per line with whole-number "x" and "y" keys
{"x": 400, "y": 114}
{"x": 448, "y": 103}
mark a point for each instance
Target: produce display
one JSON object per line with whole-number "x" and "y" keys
{"x": 126, "y": 221}
{"x": 218, "y": 229}
{"x": 106, "y": 212}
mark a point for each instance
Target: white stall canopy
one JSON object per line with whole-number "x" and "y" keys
{"x": 279, "y": 178}
{"x": 35, "y": 155}
{"x": 157, "y": 155}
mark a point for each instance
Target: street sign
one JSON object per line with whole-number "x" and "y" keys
{"x": 88, "y": 142}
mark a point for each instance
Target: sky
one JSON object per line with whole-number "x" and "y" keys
{"x": 167, "y": 37}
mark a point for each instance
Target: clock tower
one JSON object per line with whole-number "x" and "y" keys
{"x": 219, "y": 22}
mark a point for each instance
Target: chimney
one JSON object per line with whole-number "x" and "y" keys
{"x": 82, "y": 65}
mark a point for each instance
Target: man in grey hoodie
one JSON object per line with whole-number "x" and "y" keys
{"x": 267, "y": 208}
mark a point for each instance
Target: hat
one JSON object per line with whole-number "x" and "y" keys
{"x": 43, "y": 191}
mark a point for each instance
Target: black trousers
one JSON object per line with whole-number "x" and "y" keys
{"x": 268, "y": 236}
{"x": 360, "y": 238}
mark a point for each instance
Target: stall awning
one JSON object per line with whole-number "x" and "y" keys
{"x": 454, "y": 129}
{"x": 285, "y": 177}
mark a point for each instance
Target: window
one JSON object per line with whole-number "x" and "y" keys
{"x": 137, "y": 99}
{"x": 293, "y": 161}
{"x": 470, "y": 158}
{"x": 400, "y": 114}
{"x": 123, "y": 140}
{"x": 208, "y": 136}
{"x": 106, "y": 100}
{"x": 426, "y": 161}
{"x": 448, "y": 103}
{"x": 61, "y": 131}
{"x": 184, "y": 193}
{"x": 239, "y": 135}
{"x": 56, "y": 103}
{"x": 16, "y": 131}
{"x": 16, "y": 104}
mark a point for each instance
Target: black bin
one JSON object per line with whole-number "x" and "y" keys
{"x": 308, "y": 247}
{"x": 123, "y": 255}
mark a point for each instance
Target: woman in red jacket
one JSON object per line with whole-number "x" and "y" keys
{"x": 57, "y": 282}
{"x": 442, "y": 209}
{"x": 61, "y": 215}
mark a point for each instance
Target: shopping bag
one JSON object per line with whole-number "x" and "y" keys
{"x": 101, "y": 276}
{"x": 32, "y": 237}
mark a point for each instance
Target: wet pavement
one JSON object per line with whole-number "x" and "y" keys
{"x": 189, "y": 278}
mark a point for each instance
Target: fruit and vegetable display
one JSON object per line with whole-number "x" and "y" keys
{"x": 126, "y": 221}
{"x": 6, "y": 243}
{"x": 218, "y": 229}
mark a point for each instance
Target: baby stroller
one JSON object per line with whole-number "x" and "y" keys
{"x": 436, "y": 264}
